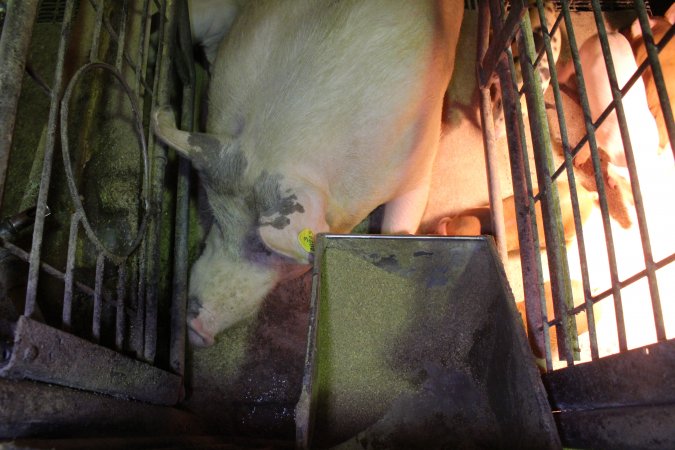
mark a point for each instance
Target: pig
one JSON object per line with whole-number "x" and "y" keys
{"x": 641, "y": 124}
{"x": 210, "y": 20}
{"x": 659, "y": 26}
{"x": 477, "y": 221}
{"x": 319, "y": 112}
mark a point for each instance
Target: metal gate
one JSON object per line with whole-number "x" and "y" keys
{"x": 620, "y": 399}
{"x": 94, "y": 220}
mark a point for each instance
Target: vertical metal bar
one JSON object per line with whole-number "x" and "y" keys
{"x": 34, "y": 264}
{"x": 14, "y": 42}
{"x": 489, "y": 144}
{"x": 70, "y": 266}
{"x": 162, "y": 91}
{"x": 96, "y": 34}
{"x": 142, "y": 64}
{"x": 595, "y": 158}
{"x": 659, "y": 80}
{"x": 635, "y": 186}
{"x": 569, "y": 167}
{"x": 528, "y": 236}
{"x": 561, "y": 288}
{"x": 527, "y": 228}
{"x": 180, "y": 280}
{"x": 121, "y": 37}
{"x": 120, "y": 319}
{"x": 98, "y": 299}
{"x": 668, "y": 116}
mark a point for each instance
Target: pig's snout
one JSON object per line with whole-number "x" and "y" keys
{"x": 197, "y": 334}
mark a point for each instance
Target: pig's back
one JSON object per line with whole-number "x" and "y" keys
{"x": 337, "y": 93}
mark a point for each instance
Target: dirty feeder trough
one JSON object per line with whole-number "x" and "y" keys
{"x": 415, "y": 342}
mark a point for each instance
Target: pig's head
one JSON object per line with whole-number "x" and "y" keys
{"x": 260, "y": 235}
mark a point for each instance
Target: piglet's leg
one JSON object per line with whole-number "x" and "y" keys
{"x": 403, "y": 214}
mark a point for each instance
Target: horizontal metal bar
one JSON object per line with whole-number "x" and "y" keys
{"x": 46, "y": 354}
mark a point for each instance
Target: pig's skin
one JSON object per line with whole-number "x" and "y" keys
{"x": 641, "y": 125}
{"x": 210, "y": 20}
{"x": 329, "y": 110}
{"x": 659, "y": 27}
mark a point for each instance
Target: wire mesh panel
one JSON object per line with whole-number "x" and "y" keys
{"x": 590, "y": 170}
{"x": 87, "y": 280}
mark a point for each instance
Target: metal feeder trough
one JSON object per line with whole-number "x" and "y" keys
{"x": 415, "y": 342}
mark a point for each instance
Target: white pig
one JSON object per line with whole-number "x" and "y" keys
{"x": 319, "y": 111}
{"x": 641, "y": 125}
{"x": 210, "y": 21}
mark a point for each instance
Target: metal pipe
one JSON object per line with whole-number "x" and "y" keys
{"x": 569, "y": 167}
{"x": 14, "y": 43}
{"x": 159, "y": 159}
{"x": 556, "y": 252}
{"x": 635, "y": 188}
{"x": 489, "y": 144}
{"x": 98, "y": 302}
{"x": 595, "y": 157}
{"x": 38, "y": 229}
{"x": 69, "y": 277}
{"x": 180, "y": 277}
{"x": 120, "y": 319}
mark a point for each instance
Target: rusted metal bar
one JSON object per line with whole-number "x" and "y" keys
{"x": 556, "y": 252}
{"x": 96, "y": 32}
{"x": 120, "y": 318}
{"x": 70, "y": 266}
{"x": 98, "y": 300}
{"x": 180, "y": 272}
{"x": 595, "y": 157}
{"x": 16, "y": 36}
{"x": 527, "y": 227}
{"x": 642, "y": 221}
{"x": 46, "y": 354}
{"x": 635, "y": 188}
{"x": 45, "y": 179}
{"x": 569, "y": 167}
{"x": 504, "y": 32}
{"x": 159, "y": 159}
{"x": 489, "y": 144}
{"x": 653, "y": 59}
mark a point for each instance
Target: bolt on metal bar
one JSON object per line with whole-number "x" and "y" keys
{"x": 634, "y": 181}
{"x": 98, "y": 302}
{"x": 489, "y": 144}
{"x": 45, "y": 179}
{"x": 70, "y": 266}
{"x": 568, "y": 166}
{"x": 595, "y": 158}
{"x": 556, "y": 252}
{"x": 14, "y": 42}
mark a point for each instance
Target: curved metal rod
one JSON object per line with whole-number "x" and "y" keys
{"x": 117, "y": 258}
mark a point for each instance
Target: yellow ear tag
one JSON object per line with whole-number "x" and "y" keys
{"x": 306, "y": 239}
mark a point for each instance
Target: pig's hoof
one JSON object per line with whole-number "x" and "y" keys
{"x": 163, "y": 117}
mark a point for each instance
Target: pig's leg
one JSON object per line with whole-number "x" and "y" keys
{"x": 403, "y": 214}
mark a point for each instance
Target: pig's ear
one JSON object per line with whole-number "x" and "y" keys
{"x": 291, "y": 230}
{"x": 670, "y": 14}
{"x": 197, "y": 147}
